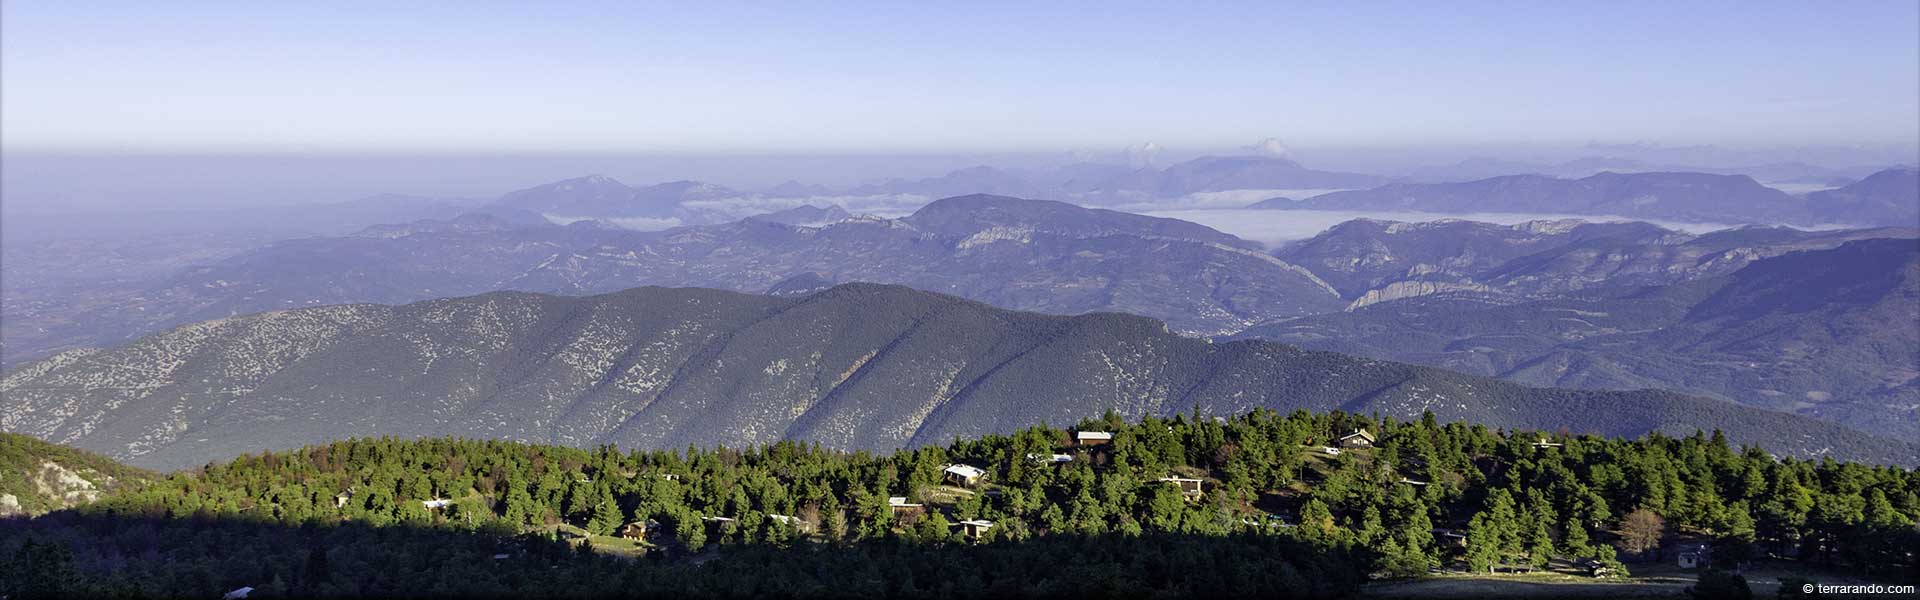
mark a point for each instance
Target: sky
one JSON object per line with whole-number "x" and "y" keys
{"x": 982, "y": 77}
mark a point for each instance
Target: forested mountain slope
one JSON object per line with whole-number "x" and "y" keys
{"x": 1831, "y": 333}
{"x": 1371, "y": 261}
{"x": 857, "y": 366}
{"x": 1259, "y": 510}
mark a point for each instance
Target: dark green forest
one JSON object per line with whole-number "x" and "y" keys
{"x": 1276, "y": 515}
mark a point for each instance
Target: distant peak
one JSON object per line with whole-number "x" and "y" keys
{"x": 973, "y": 201}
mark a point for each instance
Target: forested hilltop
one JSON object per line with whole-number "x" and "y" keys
{"x": 1258, "y": 505}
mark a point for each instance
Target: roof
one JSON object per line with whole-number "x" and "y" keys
{"x": 1361, "y": 433}
{"x": 899, "y": 501}
{"x": 967, "y": 471}
{"x": 1180, "y": 479}
{"x": 1093, "y": 435}
{"x": 436, "y": 503}
{"x": 977, "y": 523}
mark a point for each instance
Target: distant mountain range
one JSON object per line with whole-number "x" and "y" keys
{"x": 58, "y": 265}
{"x": 1092, "y": 183}
{"x": 1022, "y": 254}
{"x": 1886, "y": 198}
{"x": 1832, "y": 333}
{"x": 857, "y": 366}
{"x": 1773, "y": 173}
{"x": 699, "y": 203}
{"x": 1891, "y": 196}
{"x": 598, "y": 196}
{"x": 1371, "y": 261}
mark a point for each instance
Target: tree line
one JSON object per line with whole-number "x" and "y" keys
{"x": 1276, "y": 513}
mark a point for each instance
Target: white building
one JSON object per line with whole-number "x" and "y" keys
{"x": 964, "y": 475}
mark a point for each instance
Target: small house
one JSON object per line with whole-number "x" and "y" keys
{"x": 340, "y": 499}
{"x": 1360, "y": 438}
{"x": 901, "y": 507}
{"x": 796, "y": 523}
{"x": 1594, "y": 568}
{"x": 975, "y": 529}
{"x": 437, "y": 503}
{"x": 964, "y": 475}
{"x": 1191, "y": 488}
{"x": 638, "y": 530}
{"x": 1086, "y": 439}
{"x": 1695, "y": 557}
{"x": 1546, "y": 443}
{"x": 1450, "y": 537}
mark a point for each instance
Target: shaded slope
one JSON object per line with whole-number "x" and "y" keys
{"x": 1833, "y": 333}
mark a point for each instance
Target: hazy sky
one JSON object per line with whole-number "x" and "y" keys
{"x": 975, "y": 77}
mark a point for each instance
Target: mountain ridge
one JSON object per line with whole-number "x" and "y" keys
{"x": 1676, "y": 196}
{"x": 1016, "y": 253}
{"x": 1824, "y": 332}
{"x": 856, "y": 366}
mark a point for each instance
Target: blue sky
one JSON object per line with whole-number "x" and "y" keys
{"x": 880, "y": 77}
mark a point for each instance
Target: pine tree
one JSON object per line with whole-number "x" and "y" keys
{"x": 1483, "y": 543}
{"x": 933, "y": 530}
{"x": 1504, "y": 524}
{"x": 1577, "y": 541}
{"x": 1317, "y": 521}
{"x": 1539, "y": 545}
{"x": 606, "y": 516}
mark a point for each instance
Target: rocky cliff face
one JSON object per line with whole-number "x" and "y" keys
{"x": 37, "y": 477}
